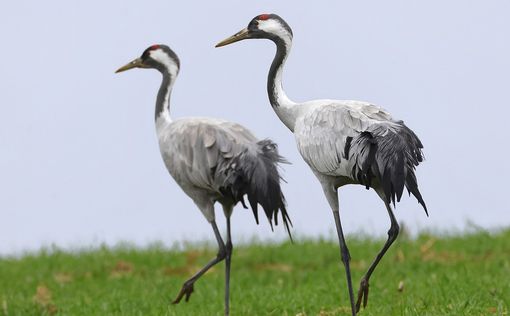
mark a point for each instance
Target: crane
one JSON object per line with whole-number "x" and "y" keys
{"x": 343, "y": 142}
{"x": 213, "y": 160}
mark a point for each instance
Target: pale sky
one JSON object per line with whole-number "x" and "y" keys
{"x": 80, "y": 164}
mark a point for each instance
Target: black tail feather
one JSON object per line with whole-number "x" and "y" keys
{"x": 254, "y": 172}
{"x": 412, "y": 188}
{"x": 390, "y": 154}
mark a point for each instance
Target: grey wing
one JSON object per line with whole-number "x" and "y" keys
{"x": 224, "y": 160}
{"x": 192, "y": 149}
{"x": 241, "y": 132}
{"x": 323, "y": 135}
{"x": 361, "y": 142}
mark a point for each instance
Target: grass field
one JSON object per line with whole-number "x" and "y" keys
{"x": 449, "y": 275}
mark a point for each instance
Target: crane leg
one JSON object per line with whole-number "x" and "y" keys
{"x": 392, "y": 235}
{"x": 346, "y": 257}
{"x": 187, "y": 287}
{"x": 332, "y": 196}
{"x": 227, "y": 268}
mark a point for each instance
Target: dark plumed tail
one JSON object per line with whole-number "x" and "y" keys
{"x": 254, "y": 172}
{"x": 390, "y": 154}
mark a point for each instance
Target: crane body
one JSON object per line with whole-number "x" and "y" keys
{"x": 343, "y": 142}
{"x": 213, "y": 160}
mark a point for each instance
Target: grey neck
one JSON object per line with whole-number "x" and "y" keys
{"x": 285, "y": 108}
{"x": 163, "y": 99}
{"x": 274, "y": 78}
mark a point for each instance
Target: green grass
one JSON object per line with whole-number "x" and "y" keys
{"x": 448, "y": 275}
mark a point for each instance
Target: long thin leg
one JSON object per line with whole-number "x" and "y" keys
{"x": 227, "y": 268}
{"x": 187, "y": 287}
{"x": 346, "y": 257}
{"x": 392, "y": 235}
{"x": 332, "y": 197}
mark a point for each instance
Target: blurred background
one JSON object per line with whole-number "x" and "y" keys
{"x": 80, "y": 163}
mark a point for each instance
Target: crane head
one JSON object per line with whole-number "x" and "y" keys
{"x": 159, "y": 57}
{"x": 270, "y": 26}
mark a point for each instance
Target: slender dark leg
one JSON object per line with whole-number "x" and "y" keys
{"x": 332, "y": 196}
{"x": 392, "y": 235}
{"x": 187, "y": 287}
{"x": 227, "y": 268}
{"x": 346, "y": 257}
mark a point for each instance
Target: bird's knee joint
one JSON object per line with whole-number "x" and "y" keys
{"x": 222, "y": 254}
{"x": 229, "y": 247}
{"x": 393, "y": 232}
{"x": 346, "y": 257}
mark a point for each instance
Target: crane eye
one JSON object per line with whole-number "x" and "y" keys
{"x": 253, "y": 25}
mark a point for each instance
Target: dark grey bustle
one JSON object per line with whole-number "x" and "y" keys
{"x": 389, "y": 154}
{"x": 254, "y": 172}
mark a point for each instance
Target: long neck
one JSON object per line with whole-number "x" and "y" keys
{"x": 163, "y": 99}
{"x": 282, "y": 105}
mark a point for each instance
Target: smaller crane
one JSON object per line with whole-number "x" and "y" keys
{"x": 213, "y": 160}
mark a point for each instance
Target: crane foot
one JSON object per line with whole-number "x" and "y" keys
{"x": 362, "y": 294}
{"x": 186, "y": 290}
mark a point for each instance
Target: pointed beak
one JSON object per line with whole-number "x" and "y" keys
{"x": 242, "y": 34}
{"x": 137, "y": 63}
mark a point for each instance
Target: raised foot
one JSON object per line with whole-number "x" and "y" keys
{"x": 187, "y": 289}
{"x": 362, "y": 294}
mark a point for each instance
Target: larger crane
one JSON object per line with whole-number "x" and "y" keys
{"x": 213, "y": 160}
{"x": 343, "y": 142}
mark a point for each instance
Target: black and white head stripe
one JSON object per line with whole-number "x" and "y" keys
{"x": 274, "y": 28}
{"x": 161, "y": 57}
{"x": 270, "y": 24}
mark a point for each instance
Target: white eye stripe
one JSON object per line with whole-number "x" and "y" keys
{"x": 160, "y": 56}
{"x": 271, "y": 26}
{"x": 275, "y": 27}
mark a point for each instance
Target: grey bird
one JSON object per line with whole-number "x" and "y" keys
{"x": 213, "y": 160}
{"x": 343, "y": 142}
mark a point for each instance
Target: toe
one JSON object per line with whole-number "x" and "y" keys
{"x": 365, "y": 297}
